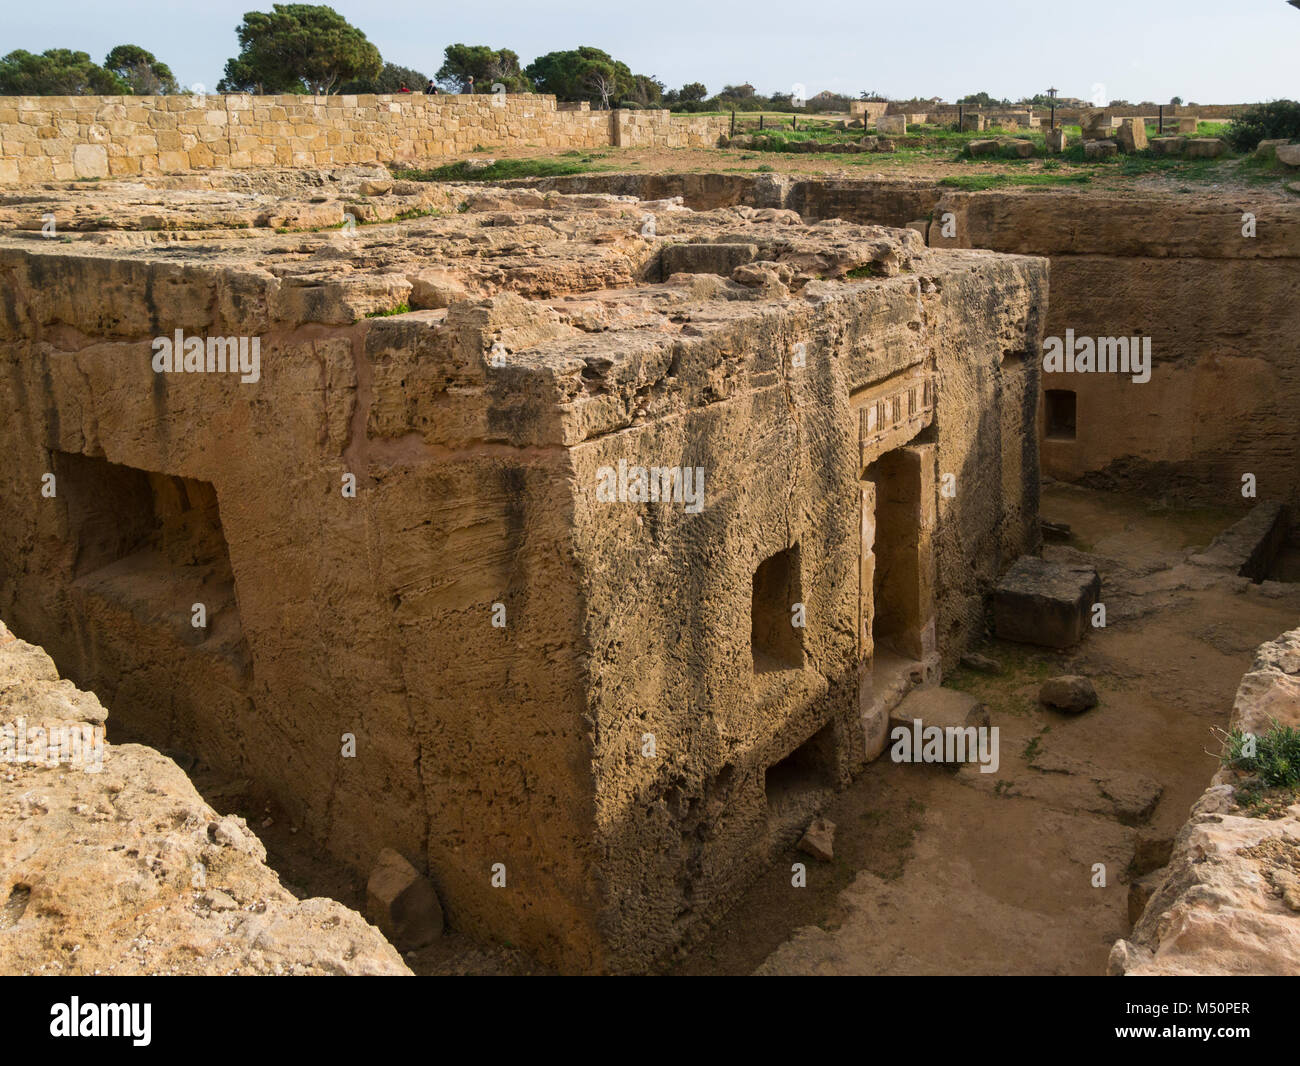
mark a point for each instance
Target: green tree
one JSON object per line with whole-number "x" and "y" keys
{"x": 141, "y": 71}
{"x": 691, "y": 92}
{"x": 647, "y": 90}
{"x": 485, "y": 65}
{"x": 390, "y": 79}
{"x": 584, "y": 73}
{"x": 1176, "y": 101}
{"x": 297, "y": 47}
{"x": 56, "y": 72}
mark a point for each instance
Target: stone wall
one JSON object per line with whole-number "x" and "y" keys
{"x": 45, "y": 138}
{"x": 1215, "y": 299}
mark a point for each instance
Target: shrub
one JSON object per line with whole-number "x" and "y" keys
{"x": 1277, "y": 118}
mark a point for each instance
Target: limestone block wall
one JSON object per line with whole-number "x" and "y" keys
{"x": 44, "y": 138}
{"x": 1213, "y": 292}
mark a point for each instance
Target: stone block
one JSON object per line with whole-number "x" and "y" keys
{"x": 402, "y": 903}
{"x": 1100, "y": 149}
{"x": 1055, "y": 140}
{"x": 1132, "y": 135}
{"x": 896, "y": 124}
{"x": 90, "y": 161}
{"x": 1095, "y": 125}
{"x": 976, "y": 149}
{"x": 1187, "y": 125}
{"x": 706, "y": 258}
{"x": 1265, "y": 150}
{"x": 1045, "y": 603}
{"x": 1205, "y": 148}
{"x": 972, "y": 123}
{"x": 1168, "y": 145}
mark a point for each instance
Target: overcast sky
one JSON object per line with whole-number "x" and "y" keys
{"x": 1209, "y": 51}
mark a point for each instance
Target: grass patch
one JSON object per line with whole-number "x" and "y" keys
{"x": 1271, "y": 763}
{"x": 400, "y": 309}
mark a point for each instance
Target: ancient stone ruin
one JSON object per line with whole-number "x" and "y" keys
{"x": 523, "y": 495}
{"x": 551, "y": 554}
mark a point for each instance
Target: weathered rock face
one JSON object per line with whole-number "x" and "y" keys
{"x": 110, "y": 863}
{"x": 538, "y": 548}
{"x": 1229, "y": 900}
{"x": 1207, "y": 284}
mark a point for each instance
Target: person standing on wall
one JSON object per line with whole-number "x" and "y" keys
{"x": 431, "y": 89}
{"x": 470, "y": 85}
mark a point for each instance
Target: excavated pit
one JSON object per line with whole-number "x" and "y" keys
{"x": 480, "y": 370}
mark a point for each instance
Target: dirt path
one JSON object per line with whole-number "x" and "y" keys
{"x": 970, "y": 873}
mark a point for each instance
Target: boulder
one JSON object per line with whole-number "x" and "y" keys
{"x": 1070, "y": 692}
{"x": 1288, "y": 154}
{"x": 1050, "y": 604}
{"x": 818, "y": 840}
{"x": 1265, "y": 150}
{"x": 402, "y": 903}
{"x": 981, "y": 664}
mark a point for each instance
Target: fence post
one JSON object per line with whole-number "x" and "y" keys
{"x": 959, "y": 118}
{"x": 760, "y": 120}
{"x": 733, "y": 122}
{"x": 1160, "y": 122}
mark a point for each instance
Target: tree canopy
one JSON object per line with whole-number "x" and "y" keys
{"x": 583, "y": 73}
{"x": 299, "y": 48}
{"x": 57, "y": 72}
{"x": 487, "y": 66}
{"x": 141, "y": 71}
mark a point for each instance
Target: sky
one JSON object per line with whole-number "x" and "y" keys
{"x": 1207, "y": 51}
